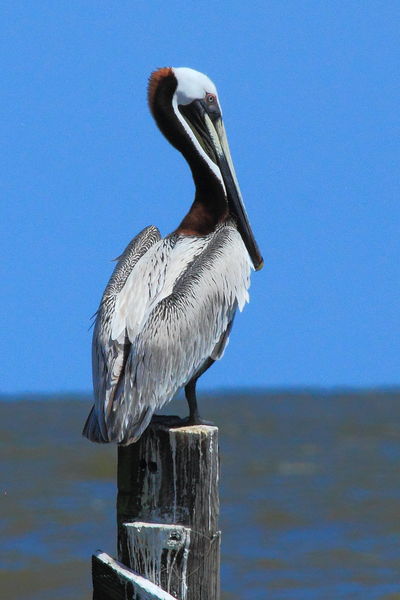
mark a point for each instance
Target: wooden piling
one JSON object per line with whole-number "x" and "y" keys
{"x": 113, "y": 581}
{"x": 168, "y": 506}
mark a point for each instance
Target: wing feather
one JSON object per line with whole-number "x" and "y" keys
{"x": 180, "y": 331}
{"x": 109, "y": 355}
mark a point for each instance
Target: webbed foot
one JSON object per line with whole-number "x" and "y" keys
{"x": 195, "y": 420}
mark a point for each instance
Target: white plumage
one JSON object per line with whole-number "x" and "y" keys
{"x": 153, "y": 333}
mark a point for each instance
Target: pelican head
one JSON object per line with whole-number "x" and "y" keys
{"x": 185, "y": 105}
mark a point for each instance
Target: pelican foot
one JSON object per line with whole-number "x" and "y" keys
{"x": 189, "y": 421}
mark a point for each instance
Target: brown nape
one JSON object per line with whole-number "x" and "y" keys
{"x": 154, "y": 80}
{"x": 202, "y": 219}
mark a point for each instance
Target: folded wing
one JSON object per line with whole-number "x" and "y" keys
{"x": 109, "y": 354}
{"x": 184, "y": 325}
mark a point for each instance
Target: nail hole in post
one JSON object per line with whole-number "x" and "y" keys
{"x": 152, "y": 466}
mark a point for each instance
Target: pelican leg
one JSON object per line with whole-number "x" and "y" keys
{"x": 190, "y": 393}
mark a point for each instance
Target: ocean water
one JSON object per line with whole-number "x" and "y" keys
{"x": 310, "y": 496}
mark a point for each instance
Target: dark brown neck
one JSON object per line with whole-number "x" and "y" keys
{"x": 203, "y": 216}
{"x": 210, "y": 205}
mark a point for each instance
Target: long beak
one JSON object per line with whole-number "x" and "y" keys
{"x": 219, "y": 140}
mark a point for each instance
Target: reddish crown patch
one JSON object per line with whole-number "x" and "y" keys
{"x": 154, "y": 81}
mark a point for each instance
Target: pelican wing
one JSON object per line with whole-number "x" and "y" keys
{"x": 182, "y": 329}
{"x": 109, "y": 354}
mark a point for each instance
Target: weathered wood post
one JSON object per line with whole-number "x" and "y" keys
{"x": 168, "y": 508}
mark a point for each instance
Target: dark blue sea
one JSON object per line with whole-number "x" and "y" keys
{"x": 310, "y": 495}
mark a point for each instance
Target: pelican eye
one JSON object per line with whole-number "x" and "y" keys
{"x": 210, "y": 98}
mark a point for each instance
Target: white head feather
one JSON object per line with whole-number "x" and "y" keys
{"x": 192, "y": 85}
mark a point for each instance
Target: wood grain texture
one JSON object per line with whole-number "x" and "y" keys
{"x": 162, "y": 553}
{"x": 171, "y": 477}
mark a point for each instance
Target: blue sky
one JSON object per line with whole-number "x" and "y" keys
{"x": 310, "y": 94}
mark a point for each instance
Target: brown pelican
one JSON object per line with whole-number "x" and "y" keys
{"x": 167, "y": 311}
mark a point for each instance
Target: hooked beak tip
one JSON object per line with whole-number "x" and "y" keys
{"x": 260, "y": 265}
